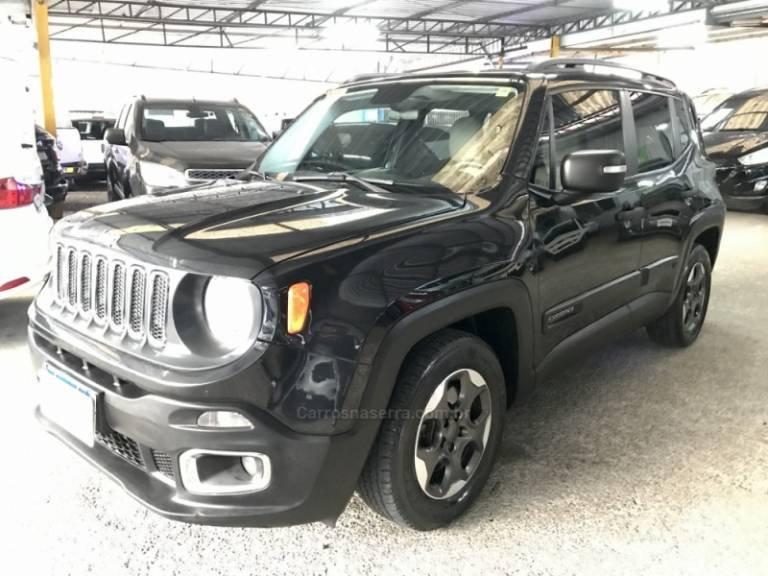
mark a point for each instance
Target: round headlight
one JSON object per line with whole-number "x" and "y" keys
{"x": 232, "y": 311}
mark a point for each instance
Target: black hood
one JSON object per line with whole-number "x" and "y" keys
{"x": 210, "y": 154}
{"x": 725, "y": 147}
{"x": 242, "y": 228}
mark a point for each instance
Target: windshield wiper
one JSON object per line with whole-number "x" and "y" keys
{"x": 370, "y": 185}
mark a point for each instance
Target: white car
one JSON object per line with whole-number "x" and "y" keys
{"x": 24, "y": 221}
{"x": 92, "y": 128}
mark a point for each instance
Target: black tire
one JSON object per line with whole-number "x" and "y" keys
{"x": 111, "y": 193}
{"x": 673, "y": 329}
{"x": 389, "y": 483}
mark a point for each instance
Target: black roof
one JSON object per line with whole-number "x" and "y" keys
{"x": 186, "y": 101}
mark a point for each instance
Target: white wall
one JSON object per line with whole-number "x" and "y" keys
{"x": 737, "y": 65}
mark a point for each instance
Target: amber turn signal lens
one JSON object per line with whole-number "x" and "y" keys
{"x": 298, "y": 307}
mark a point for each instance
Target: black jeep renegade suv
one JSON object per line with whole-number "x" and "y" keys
{"x": 410, "y": 256}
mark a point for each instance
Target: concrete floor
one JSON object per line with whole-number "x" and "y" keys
{"x": 640, "y": 460}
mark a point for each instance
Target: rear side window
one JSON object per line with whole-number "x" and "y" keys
{"x": 585, "y": 120}
{"x": 653, "y": 126}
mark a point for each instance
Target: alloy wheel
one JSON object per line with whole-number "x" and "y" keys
{"x": 453, "y": 434}
{"x": 695, "y": 297}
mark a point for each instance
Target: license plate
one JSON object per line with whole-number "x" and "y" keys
{"x": 69, "y": 170}
{"x": 68, "y": 403}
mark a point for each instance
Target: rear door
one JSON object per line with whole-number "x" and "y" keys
{"x": 586, "y": 266}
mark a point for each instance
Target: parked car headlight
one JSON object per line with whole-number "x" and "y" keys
{"x": 160, "y": 175}
{"x": 754, "y": 158}
{"x": 232, "y": 311}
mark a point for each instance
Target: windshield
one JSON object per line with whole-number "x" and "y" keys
{"x": 453, "y": 136}
{"x": 200, "y": 122}
{"x": 92, "y": 129}
{"x": 739, "y": 114}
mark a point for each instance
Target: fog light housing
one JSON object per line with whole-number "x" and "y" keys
{"x": 212, "y": 472}
{"x": 223, "y": 419}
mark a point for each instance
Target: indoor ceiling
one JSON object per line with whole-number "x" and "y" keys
{"x": 464, "y": 27}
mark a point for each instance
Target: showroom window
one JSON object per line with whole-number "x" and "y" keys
{"x": 653, "y": 126}
{"x": 583, "y": 120}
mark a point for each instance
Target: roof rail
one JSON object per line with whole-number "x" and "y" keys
{"x": 560, "y": 63}
{"x": 368, "y": 76}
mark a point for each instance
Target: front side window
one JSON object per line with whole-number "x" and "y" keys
{"x": 653, "y": 126}
{"x": 200, "y": 122}
{"x": 585, "y": 120}
{"x": 429, "y": 136}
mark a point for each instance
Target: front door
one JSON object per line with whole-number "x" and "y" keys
{"x": 585, "y": 264}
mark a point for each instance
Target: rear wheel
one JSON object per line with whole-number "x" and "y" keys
{"x": 681, "y": 324}
{"x": 434, "y": 454}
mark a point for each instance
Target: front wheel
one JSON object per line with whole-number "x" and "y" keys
{"x": 436, "y": 449}
{"x": 681, "y": 324}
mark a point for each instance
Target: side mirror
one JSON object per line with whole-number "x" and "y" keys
{"x": 115, "y": 136}
{"x": 592, "y": 171}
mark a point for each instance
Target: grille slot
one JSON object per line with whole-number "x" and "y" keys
{"x": 72, "y": 277}
{"x": 163, "y": 463}
{"x": 212, "y": 173}
{"x": 100, "y": 293}
{"x": 122, "y": 446}
{"x": 159, "y": 308}
{"x": 118, "y": 295}
{"x": 136, "y": 307}
{"x": 60, "y": 271}
{"x": 85, "y": 283}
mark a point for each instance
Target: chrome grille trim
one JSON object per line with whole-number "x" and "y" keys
{"x": 120, "y": 296}
{"x": 136, "y": 302}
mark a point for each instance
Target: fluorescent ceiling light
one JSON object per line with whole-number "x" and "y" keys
{"x": 641, "y": 5}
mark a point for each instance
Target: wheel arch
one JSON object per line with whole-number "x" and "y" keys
{"x": 488, "y": 311}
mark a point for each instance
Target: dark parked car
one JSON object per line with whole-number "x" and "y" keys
{"x": 55, "y": 183}
{"x": 736, "y": 139}
{"x": 159, "y": 145}
{"x": 412, "y": 255}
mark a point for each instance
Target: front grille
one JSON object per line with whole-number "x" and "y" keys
{"x": 123, "y": 446}
{"x": 203, "y": 174}
{"x": 163, "y": 463}
{"x": 102, "y": 289}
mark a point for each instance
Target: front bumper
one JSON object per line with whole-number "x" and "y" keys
{"x": 744, "y": 187}
{"x": 140, "y": 435}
